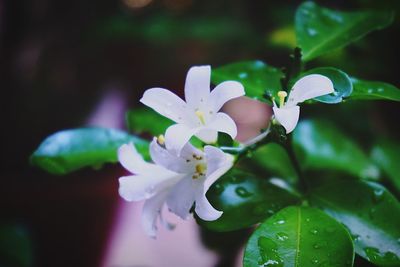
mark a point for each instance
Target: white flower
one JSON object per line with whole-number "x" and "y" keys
{"x": 308, "y": 87}
{"x": 199, "y": 115}
{"x": 178, "y": 181}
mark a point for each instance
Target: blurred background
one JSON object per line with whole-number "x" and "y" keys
{"x": 68, "y": 64}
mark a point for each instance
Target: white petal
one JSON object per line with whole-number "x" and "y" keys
{"x": 131, "y": 160}
{"x": 197, "y": 85}
{"x": 139, "y": 187}
{"x": 204, "y": 209}
{"x": 308, "y": 87}
{"x": 168, "y": 160}
{"x": 218, "y": 163}
{"x": 188, "y": 150}
{"x": 166, "y": 103}
{"x": 287, "y": 117}
{"x": 224, "y": 92}
{"x": 207, "y": 135}
{"x": 223, "y": 123}
{"x": 177, "y": 136}
{"x": 151, "y": 210}
{"x": 181, "y": 197}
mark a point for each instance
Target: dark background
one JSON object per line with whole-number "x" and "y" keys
{"x": 59, "y": 58}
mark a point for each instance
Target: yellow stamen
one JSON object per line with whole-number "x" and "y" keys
{"x": 200, "y": 115}
{"x": 201, "y": 168}
{"x": 161, "y": 139}
{"x": 282, "y": 95}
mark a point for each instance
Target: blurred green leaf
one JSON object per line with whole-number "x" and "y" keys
{"x": 371, "y": 90}
{"x": 169, "y": 29}
{"x": 273, "y": 159}
{"x": 320, "y": 30}
{"x": 257, "y": 77}
{"x": 371, "y": 214}
{"x": 70, "y": 150}
{"x": 341, "y": 83}
{"x": 320, "y": 145}
{"x": 146, "y": 120}
{"x": 386, "y": 155}
{"x": 245, "y": 200}
{"x": 299, "y": 236}
{"x": 15, "y": 246}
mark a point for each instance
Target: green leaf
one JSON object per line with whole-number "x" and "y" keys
{"x": 371, "y": 90}
{"x": 245, "y": 200}
{"x": 371, "y": 214}
{"x": 299, "y": 236}
{"x": 257, "y": 77}
{"x": 386, "y": 155}
{"x": 341, "y": 83}
{"x": 146, "y": 120}
{"x": 320, "y": 146}
{"x": 320, "y": 30}
{"x": 70, "y": 150}
{"x": 15, "y": 246}
{"x": 273, "y": 159}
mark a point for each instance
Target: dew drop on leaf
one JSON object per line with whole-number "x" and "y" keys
{"x": 314, "y": 231}
{"x": 378, "y": 195}
{"x": 269, "y": 253}
{"x": 242, "y": 192}
{"x": 282, "y": 236}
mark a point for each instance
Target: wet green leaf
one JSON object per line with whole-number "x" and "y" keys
{"x": 70, "y": 150}
{"x": 320, "y": 30}
{"x": 147, "y": 120}
{"x": 299, "y": 236}
{"x": 321, "y": 146}
{"x": 15, "y": 246}
{"x": 341, "y": 83}
{"x": 245, "y": 200}
{"x": 386, "y": 155}
{"x": 371, "y": 214}
{"x": 273, "y": 158}
{"x": 257, "y": 77}
{"x": 371, "y": 90}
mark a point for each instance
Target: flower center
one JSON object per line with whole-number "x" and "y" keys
{"x": 200, "y": 115}
{"x": 201, "y": 169}
{"x": 282, "y": 95}
{"x": 161, "y": 140}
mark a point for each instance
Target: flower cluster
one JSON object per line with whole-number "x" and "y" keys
{"x": 180, "y": 174}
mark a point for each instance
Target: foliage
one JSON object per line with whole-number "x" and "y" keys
{"x": 310, "y": 191}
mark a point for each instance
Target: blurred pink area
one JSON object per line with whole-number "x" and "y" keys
{"x": 128, "y": 244}
{"x": 250, "y": 116}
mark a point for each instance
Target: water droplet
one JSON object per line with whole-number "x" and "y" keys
{"x": 374, "y": 254}
{"x": 243, "y": 75}
{"x": 378, "y": 195}
{"x": 320, "y": 244}
{"x": 282, "y": 236}
{"x": 279, "y": 222}
{"x": 314, "y": 231}
{"x": 219, "y": 189}
{"x": 356, "y": 238}
{"x": 242, "y": 192}
{"x": 312, "y": 32}
{"x": 236, "y": 179}
{"x": 369, "y": 91}
{"x": 380, "y": 90}
{"x": 315, "y": 261}
{"x": 307, "y": 219}
{"x": 269, "y": 253}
